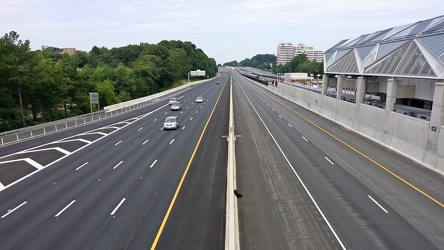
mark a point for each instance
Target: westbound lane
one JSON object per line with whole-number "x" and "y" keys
{"x": 197, "y": 220}
{"x": 111, "y": 194}
{"x": 351, "y": 190}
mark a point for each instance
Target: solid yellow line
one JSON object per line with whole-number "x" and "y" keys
{"x": 359, "y": 152}
{"x": 165, "y": 219}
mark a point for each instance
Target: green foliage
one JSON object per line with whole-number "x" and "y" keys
{"x": 267, "y": 62}
{"x": 45, "y": 85}
{"x": 260, "y": 61}
{"x": 300, "y": 63}
{"x": 232, "y": 63}
{"x": 106, "y": 93}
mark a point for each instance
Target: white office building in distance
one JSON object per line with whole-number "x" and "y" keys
{"x": 287, "y": 51}
{"x": 312, "y": 55}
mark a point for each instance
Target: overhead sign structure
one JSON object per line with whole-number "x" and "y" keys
{"x": 197, "y": 72}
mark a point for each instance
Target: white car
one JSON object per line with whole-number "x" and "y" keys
{"x": 172, "y": 99}
{"x": 175, "y": 106}
{"x": 199, "y": 99}
{"x": 171, "y": 122}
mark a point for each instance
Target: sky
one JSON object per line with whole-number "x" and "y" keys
{"x": 225, "y": 30}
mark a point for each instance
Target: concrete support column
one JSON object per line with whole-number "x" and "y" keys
{"x": 435, "y": 136}
{"x": 360, "y": 89}
{"x": 437, "y": 118}
{"x": 324, "y": 84}
{"x": 392, "y": 87}
{"x": 341, "y": 80}
{"x": 359, "y": 98}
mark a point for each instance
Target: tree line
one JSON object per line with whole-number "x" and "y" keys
{"x": 46, "y": 85}
{"x": 259, "y": 61}
{"x": 268, "y": 62}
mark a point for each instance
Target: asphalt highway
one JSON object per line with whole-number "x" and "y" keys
{"x": 126, "y": 183}
{"x": 113, "y": 184}
{"x": 317, "y": 185}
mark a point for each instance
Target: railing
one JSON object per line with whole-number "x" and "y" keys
{"x": 31, "y": 132}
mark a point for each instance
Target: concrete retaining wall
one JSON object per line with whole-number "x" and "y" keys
{"x": 158, "y": 96}
{"x": 404, "y": 134}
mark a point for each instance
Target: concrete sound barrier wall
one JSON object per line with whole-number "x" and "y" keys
{"x": 404, "y": 134}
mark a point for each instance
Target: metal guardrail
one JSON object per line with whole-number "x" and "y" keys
{"x": 31, "y": 132}
{"x": 27, "y": 133}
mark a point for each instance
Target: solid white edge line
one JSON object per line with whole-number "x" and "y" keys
{"x": 81, "y": 166}
{"x": 61, "y": 211}
{"x": 12, "y": 210}
{"x": 383, "y": 209}
{"x": 329, "y": 160}
{"x": 115, "y": 209}
{"x": 153, "y": 163}
{"x": 117, "y": 165}
{"x": 117, "y": 128}
{"x": 297, "y": 175}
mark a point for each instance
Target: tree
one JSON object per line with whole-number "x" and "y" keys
{"x": 179, "y": 62}
{"x": 148, "y": 70}
{"x": 106, "y": 92}
{"x": 232, "y": 63}
{"x": 260, "y": 61}
{"x": 43, "y": 92}
{"x": 48, "y": 85}
{"x": 16, "y": 59}
{"x": 311, "y": 67}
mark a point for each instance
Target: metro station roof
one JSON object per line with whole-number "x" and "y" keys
{"x": 412, "y": 50}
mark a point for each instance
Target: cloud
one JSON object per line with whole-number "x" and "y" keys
{"x": 226, "y": 30}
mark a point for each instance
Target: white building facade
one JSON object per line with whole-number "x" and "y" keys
{"x": 312, "y": 54}
{"x": 287, "y": 51}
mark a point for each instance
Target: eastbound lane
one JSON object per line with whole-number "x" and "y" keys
{"x": 368, "y": 207}
{"x": 112, "y": 193}
{"x": 275, "y": 211}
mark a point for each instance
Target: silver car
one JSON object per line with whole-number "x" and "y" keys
{"x": 176, "y": 106}
{"x": 171, "y": 122}
{"x": 199, "y": 99}
{"x": 172, "y": 99}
